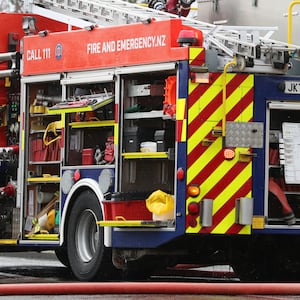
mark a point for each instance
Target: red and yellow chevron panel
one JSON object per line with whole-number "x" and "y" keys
{"x": 221, "y": 180}
{"x": 197, "y": 56}
{"x": 181, "y": 120}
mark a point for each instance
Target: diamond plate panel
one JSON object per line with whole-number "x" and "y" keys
{"x": 244, "y": 134}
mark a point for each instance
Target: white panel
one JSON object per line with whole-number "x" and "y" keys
{"x": 284, "y": 105}
{"x": 290, "y": 153}
{"x": 41, "y": 78}
{"x": 146, "y": 68}
{"x": 88, "y": 77}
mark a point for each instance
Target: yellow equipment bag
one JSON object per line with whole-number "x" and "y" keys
{"x": 160, "y": 202}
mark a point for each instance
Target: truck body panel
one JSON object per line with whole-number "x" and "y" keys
{"x": 132, "y": 145}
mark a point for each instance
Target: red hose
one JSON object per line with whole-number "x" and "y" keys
{"x": 150, "y": 288}
{"x": 277, "y": 191}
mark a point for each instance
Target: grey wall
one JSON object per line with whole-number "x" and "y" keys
{"x": 243, "y": 12}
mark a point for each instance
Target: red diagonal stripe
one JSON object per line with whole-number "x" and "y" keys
{"x": 199, "y": 59}
{"x": 202, "y": 88}
{"x": 240, "y": 107}
{"x": 235, "y": 229}
{"x": 209, "y": 167}
{"x": 195, "y": 154}
{"x": 228, "y": 206}
{"x": 199, "y": 149}
{"x": 232, "y": 115}
{"x": 179, "y": 130}
{"x": 214, "y": 103}
{"x": 235, "y": 83}
{"x": 205, "y": 114}
{"x": 225, "y": 180}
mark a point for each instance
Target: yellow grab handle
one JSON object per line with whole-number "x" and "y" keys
{"x": 53, "y": 126}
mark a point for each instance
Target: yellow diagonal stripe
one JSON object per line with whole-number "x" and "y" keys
{"x": 246, "y": 229}
{"x": 206, "y": 98}
{"x": 232, "y": 188}
{"x": 203, "y": 160}
{"x": 202, "y": 132}
{"x": 217, "y": 173}
{"x": 246, "y": 115}
{"x": 226, "y": 223}
{"x": 213, "y": 91}
{"x": 194, "y": 52}
{"x": 216, "y": 116}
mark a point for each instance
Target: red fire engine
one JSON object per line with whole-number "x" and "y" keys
{"x": 143, "y": 145}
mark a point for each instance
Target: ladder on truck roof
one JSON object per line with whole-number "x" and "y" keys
{"x": 255, "y": 52}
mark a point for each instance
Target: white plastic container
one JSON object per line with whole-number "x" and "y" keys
{"x": 148, "y": 147}
{"x": 169, "y": 215}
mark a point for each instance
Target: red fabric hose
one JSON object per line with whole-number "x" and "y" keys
{"x": 151, "y": 288}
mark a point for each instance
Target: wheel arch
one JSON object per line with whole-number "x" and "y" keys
{"x": 79, "y": 187}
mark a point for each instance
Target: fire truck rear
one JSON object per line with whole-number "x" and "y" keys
{"x": 155, "y": 143}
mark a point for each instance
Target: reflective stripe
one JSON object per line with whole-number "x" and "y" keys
{"x": 197, "y": 56}
{"x": 219, "y": 179}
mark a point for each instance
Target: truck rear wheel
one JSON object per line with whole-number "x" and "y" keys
{"x": 88, "y": 257}
{"x": 62, "y": 256}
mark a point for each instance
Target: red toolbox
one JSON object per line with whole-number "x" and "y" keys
{"x": 126, "y": 206}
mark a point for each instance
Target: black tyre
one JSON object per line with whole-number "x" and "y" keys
{"x": 143, "y": 268}
{"x": 256, "y": 261}
{"x": 62, "y": 256}
{"x": 88, "y": 258}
